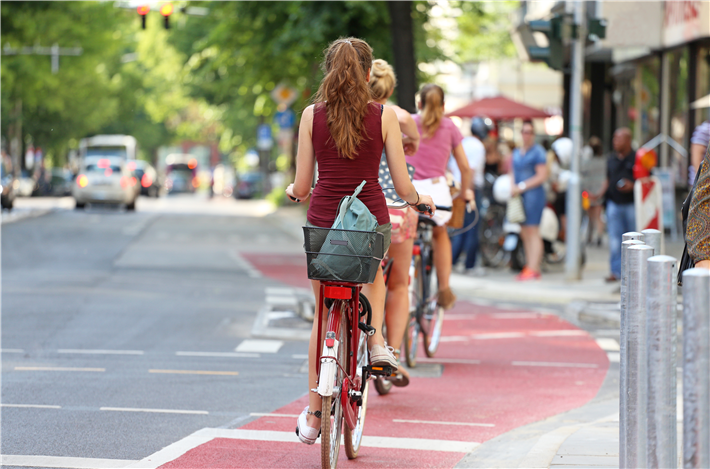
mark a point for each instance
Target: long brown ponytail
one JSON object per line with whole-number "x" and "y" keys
{"x": 432, "y": 99}
{"x": 346, "y": 94}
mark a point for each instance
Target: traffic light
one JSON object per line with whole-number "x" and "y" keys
{"x": 553, "y": 53}
{"x": 143, "y": 11}
{"x": 166, "y": 10}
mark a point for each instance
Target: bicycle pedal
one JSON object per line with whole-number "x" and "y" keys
{"x": 380, "y": 370}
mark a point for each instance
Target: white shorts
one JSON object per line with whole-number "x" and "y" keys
{"x": 440, "y": 192}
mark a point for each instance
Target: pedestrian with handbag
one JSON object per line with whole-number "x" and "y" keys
{"x": 698, "y": 231}
{"x": 529, "y": 168}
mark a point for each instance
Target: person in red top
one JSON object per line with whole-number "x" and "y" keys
{"x": 345, "y": 132}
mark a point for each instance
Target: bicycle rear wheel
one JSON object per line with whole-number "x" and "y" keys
{"x": 416, "y": 304}
{"x": 332, "y": 410}
{"x": 432, "y": 320}
{"x": 353, "y": 437}
{"x": 411, "y": 341}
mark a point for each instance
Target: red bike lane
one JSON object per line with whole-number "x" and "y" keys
{"x": 500, "y": 369}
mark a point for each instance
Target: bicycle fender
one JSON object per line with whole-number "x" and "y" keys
{"x": 328, "y": 369}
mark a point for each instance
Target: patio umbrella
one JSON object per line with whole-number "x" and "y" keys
{"x": 499, "y": 108}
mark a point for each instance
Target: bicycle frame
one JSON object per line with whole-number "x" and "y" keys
{"x": 327, "y": 347}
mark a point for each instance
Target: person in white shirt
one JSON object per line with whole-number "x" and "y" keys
{"x": 467, "y": 240}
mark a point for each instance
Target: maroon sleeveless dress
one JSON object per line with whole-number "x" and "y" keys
{"x": 339, "y": 176}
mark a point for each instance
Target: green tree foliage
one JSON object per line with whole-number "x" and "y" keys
{"x": 484, "y": 30}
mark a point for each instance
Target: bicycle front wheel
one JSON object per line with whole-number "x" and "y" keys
{"x": 411, "y": 341}
{"x": 432, "y": 320}
{"x": 353, "y": 437}
{"x": 332, "y": 410}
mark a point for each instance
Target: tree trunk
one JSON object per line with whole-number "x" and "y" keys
{"x": 403, "y": 50}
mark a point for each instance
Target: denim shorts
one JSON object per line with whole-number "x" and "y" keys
{"x": 385, "y": 229}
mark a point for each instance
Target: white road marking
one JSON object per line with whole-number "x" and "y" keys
{"x": 32, "y": 406}
{"x": 455, "y": 338}
{"x": 56, "y": 368}
{"x": 257, "y": 414}
{"x": 557, "y": 364}
{"x": 559, "y": 333}
{"x": 299, "y": 356}
{"x": 445, "y": 423}
{"x": 614, "y": 357}
{"x": 218, "y": 354}
{"x": 498, "y": 335}
{"x": 156, "y": 411}
{"x": 244, "y": 264}
{"x": 516, "y": 315}
{"x": 12, "y": 350}
{"x": 259, "y": 346}
{"x": 102, "y": 352}
{"x": 60, "y": 461}
{"x": 461, "y": 361}
{"x": 607, "y": 344}
{"x": 544, "y": 451}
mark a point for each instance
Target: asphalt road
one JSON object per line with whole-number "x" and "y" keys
{"x": 119, "y": 329}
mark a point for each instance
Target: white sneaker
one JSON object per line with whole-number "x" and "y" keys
{"x": 383, "y": 356}
{"x": 306, "y": 434}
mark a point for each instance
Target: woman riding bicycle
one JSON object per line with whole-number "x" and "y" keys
{"x": 440, "y": 138}
{"x": 345, "y": 133}
{"x": 404, "y": 223}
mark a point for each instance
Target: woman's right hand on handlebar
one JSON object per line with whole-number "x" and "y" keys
{"x": 425, "y": 200}
{"x": 289, "y": 193}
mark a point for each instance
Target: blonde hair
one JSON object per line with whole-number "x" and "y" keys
{"x": 432, "y": 99}
{"x": 382, "y": 80}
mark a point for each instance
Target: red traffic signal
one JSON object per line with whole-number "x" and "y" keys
{"x": 143, "y": 10}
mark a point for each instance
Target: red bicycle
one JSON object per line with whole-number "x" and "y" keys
{"x": 344, "y": 366}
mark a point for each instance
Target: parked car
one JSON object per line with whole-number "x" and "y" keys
{"x": 60, "y": 182}
{"x": 105, "y": 181}
{"x": 7, "y": 185}
{"x": 147, "y": 176}
{"x": 181, "y": 173}
{"x": 27, "y": 185}
{"x": 249, "y": 185}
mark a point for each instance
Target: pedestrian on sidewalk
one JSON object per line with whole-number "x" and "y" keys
{"x": 593, "y": 176}
{"x": 699, "y": 141}
{"x": 529, "y": 168}
{"x": 619, "y": 191}
{"x": 698, "y": 231}
{"x": 345, "y": 133}
{"x": 440, "y": 138}
{"x": 467, "y": 240}
{"x": 404, "y": 224}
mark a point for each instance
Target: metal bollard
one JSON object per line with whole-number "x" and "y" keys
{"x": 623, "y": 352}
{"x": 628, "y": 236}
{"x": 637, "y": 376}
{"x": 661, "y": 299}
{"x": 654, "y": 239}
{"x": 696, "y": 371}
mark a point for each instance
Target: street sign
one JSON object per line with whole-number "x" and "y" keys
{"x": 286, "y": 119}
{"x": 283, "y": 94}
{"x": 263, "y": 137}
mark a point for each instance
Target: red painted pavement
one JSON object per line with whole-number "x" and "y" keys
{"x": 492, "y": 392}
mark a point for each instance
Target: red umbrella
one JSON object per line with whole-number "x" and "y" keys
{"x": 498, "y": 108}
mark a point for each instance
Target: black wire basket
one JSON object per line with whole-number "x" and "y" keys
{"x": 343, "y": 255}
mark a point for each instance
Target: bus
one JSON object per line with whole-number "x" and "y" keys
{"x": 122, "y": 146}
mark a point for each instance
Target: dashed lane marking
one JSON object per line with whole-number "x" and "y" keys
{"x": 557, "y": 364}
{"x": 429, "y": 422}
{"x": 57, "y": 368}
{"x": 195, "y": 372}
{"x": 614, "y": 357}
{"x": 156, "y": 411}
{"x": 559, "y": 333}
{"x": 32, "y": 406}
{"x": 259, "y": 346}
{"x": 498, "y": 335}
{"x": 608, "y": 344}
{"x": 60, "y": 461}
{"x": 299, "y": 356}
{"x": 461, "y": 361}
{"x": 257, "y": 414}
{"x": 102, "y": 352}
{"x": 12, "y": 350}
{"x": 218, "y": 354}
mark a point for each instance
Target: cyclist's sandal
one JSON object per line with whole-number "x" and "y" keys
{"x": 446, "y": 299}
{"x": 306, "y": 434}
{"x": 383, "y": 356}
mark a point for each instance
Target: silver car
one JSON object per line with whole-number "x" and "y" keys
{"x": 105, "y": 180}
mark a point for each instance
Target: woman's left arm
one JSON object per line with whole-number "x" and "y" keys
{"x": 538, "y": 179}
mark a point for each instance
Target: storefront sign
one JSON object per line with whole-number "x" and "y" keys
{"x": 685, "y": 21}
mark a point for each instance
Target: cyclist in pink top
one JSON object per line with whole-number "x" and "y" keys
{"x": 439, "y": 138}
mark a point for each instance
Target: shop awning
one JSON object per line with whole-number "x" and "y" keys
{"x": 701, "y": 103}
{"x": 499, "y": 108}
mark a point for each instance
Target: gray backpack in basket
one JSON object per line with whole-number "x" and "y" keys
{"x": 340, "y": 247}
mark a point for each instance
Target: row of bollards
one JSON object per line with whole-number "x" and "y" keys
{"x": 647, "y": 400}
